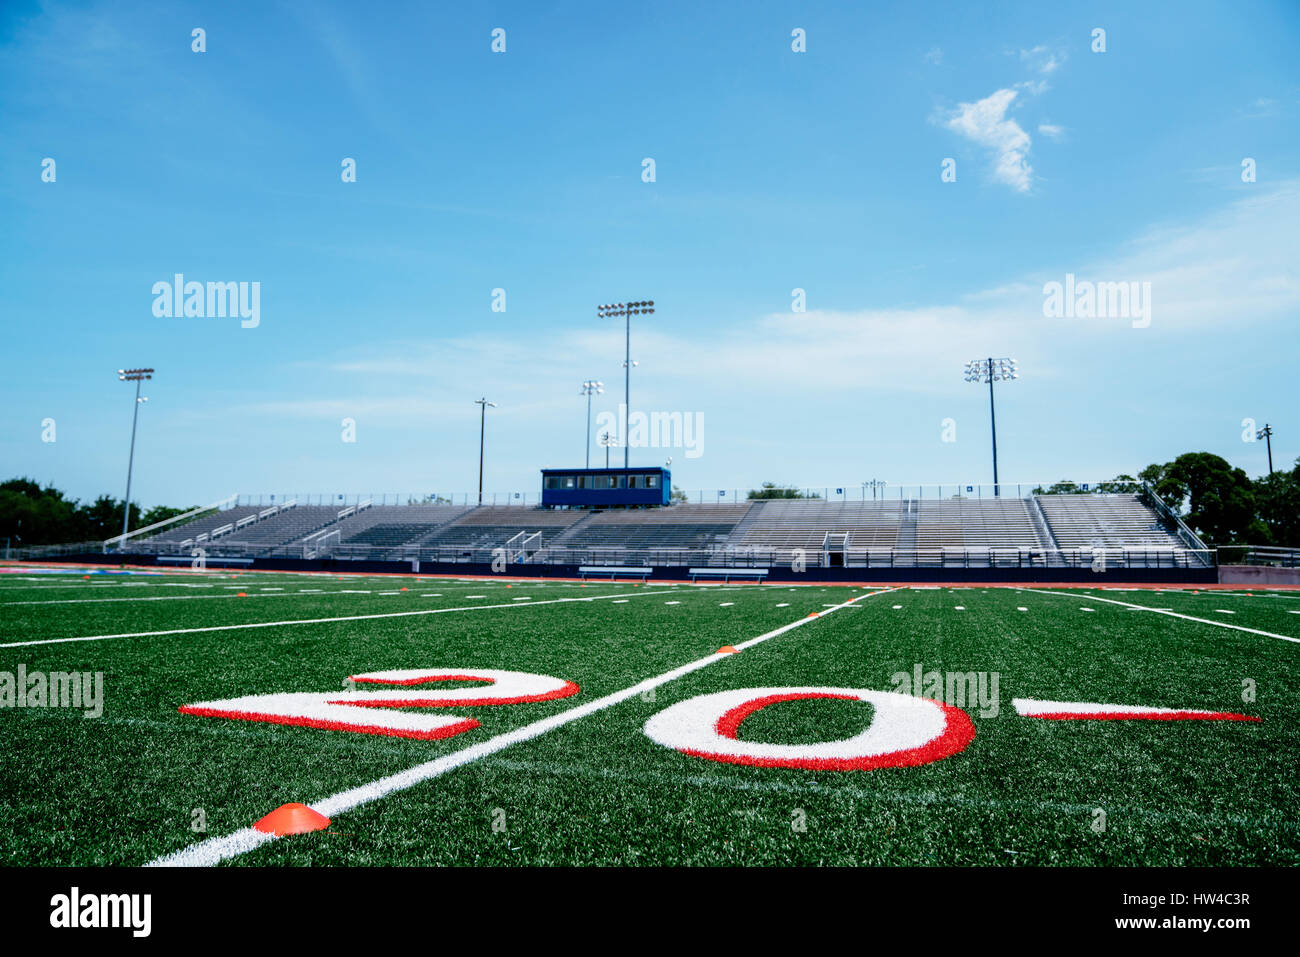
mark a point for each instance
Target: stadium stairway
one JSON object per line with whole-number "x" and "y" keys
{"x": 573, "y": 529}
{"x": 753, "y": 515}
{"x": 907, "y": 526}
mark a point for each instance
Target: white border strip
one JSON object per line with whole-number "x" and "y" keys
{"x": 209, "y": 852}
{"x": 1161, "y": 611}
{"x": 320, "y": 621}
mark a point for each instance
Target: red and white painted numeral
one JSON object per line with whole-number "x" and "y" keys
{"x": 373, "y": 712}
{"x": 904, "y": 731}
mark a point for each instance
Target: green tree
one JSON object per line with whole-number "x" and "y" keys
{"x": 1220, "y": 499}
{"x": 1121, "y": 484}
{"x": 31, "y": 515}
{"x": 1277, "y": 499}
{"x": 772, "y": 490}
{"x": 161, "y": 513}
{"x": 103, "y": 517}
{"x": 1063, "y": 487}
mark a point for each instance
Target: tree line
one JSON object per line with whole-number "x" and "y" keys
{"x": 32, "y": 515}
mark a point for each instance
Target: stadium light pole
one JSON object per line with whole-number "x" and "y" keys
{"x": 992, "y": 370}
{"x": 607, "y": 439}
{"x": 137, "y": 376}
{"x": 1266, "y": 433}
{"x": 482, "y": 431}
{"x": 627, "y": 310}
{"x": 589, "y": 388}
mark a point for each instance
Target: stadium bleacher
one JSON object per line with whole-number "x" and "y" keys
{"x": 978, "y": 523}
{"x": 680, "y": 526}
{"x": 1110, "y": 521}
{"x": 393, "y": 526}
{"x": 285, "y": 526}
{"x": 204, "y": 524}
{"x": 794, "y": 524}
{"x": 1043, "y": 530}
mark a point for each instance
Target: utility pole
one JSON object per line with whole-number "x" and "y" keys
{"x": 1266, "y": 433}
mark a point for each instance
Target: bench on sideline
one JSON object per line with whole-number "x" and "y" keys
{"x": 616, "y": 571}
{"x": 209, "y": 560}
{"x": 727, "y": 574}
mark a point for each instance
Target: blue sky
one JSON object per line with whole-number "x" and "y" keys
{"x": 522, "y": 171}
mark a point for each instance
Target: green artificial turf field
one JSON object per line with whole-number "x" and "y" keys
{"x": 143, "y": 780}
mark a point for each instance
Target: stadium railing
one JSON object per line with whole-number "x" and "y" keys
{"x": 719, "y": 556}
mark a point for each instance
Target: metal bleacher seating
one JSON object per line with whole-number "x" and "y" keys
{"x": 284, "y": 527}
{"x": 1110, "y": 521}
{"x": 1046, "y": 530}
{"x": 788, "y": 525}
{"x": 203, "y": 525}
{"x": 392, "y": 526}
{"x": 677, "y": 526}
{"x": 490, "y": 526}
{"x": 976, "y": 523}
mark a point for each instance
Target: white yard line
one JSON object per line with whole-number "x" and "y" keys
{"x": 1171, "y": 614}
{"x": 78, "y": 601}
{"x": 307, "y": 621}
{"x": 209, "y": 852}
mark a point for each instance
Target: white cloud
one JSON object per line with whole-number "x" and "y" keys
{"x": 1043, "y": 59}
{"x": 933, "y": 55}
{"x": 1051, "y": 130}
{"x": 986, "y": 123}
{"x": 1231, "y": 270}
{"x": 1032, "y": 87}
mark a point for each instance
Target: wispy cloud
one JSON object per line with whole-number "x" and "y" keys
{"x": 933, "y": 55}
{"x": 1224, "y": 271}
{"x": 986, "y": 123}
{"x": 1043, "y": 59}
{"x": 1261, "y": 108}
{"x": 1051, "y": 130}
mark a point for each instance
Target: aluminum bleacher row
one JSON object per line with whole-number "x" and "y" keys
{"x": 1112, "y": 521}
{"x": 1037, "y": 531}
{"x": 805, "y": 524}
{"x": 976, "y": 522}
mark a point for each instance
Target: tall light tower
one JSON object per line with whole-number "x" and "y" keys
{"x": 608, "y": 440}
{"x": 1266, "y": 433}
{"x": 136, "y": 376}
{"x": 589, "y": 388}
{"x": 482, "y": 429}
{"x": 627, "y": 310}
{"x": 992, "y": 370}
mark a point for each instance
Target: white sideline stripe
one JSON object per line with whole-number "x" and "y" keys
{"x": 307, "y": 621}
{"x": 78, "y": 601}
{"x": 1171, "y": 614}
{"x": 209, "y": 852}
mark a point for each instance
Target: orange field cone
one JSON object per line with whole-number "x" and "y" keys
{"x": 726, "y": 650}
{"x": 813, "y": 614}
{"x": 241, "y": 594}
{"x": 404, "y": 589}
{"x": 292, "y": 819}
{"x": 510, "y": 586}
